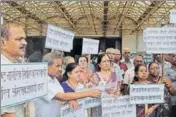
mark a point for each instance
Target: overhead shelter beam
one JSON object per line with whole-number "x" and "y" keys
{"x": 105, "y": 18}
{"x": 91, "y": 14}
{"x": 125, "y": 10}
{"x": 154, "y": 6}
{"x": 26, "y": 12}
{"x": 65, "y": 13}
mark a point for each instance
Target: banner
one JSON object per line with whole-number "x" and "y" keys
{"x": 92, "y": 102}
{"x": 90, "y": 46}
{"x": 59, "y": 39}
{"x": 160, "y": 40}
{"x": 118, "y": 107}
{"x": 23, "y": 82}
{"x": 146, "y": 93}
{"x": 66, "y": 111}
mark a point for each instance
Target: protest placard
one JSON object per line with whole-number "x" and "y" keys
{"x": 59, "y": 39}
{"x": 118, "y": 107}
{"x": 160, "y": 40}
{"x": 173, "y": 16}
{"x": 23, "y": 82}
{"x": 66, "y": 111}
{"x": 90, "y": 46}
{"x": 92, "y": 102}
{"x": 146, "y": 93}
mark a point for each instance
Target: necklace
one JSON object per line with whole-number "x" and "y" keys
{"x": 72, "y": 86}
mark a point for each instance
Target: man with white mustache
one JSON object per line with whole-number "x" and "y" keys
{"x": 13, "y": 46}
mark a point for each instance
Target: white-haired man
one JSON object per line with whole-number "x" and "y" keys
{"x": 111, "y": 54}
{"x": 49, "y": 106}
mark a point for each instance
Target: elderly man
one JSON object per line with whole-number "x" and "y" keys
{"x": 129, "y": 74}
{"x": 111, "y": 54}
{"x": 13, "y": 46}
{"x": 126, "y": 58}
{"x": 49, "y": 106}
{"x": 122, "y": 66}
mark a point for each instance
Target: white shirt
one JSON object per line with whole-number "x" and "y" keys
{"x": 18, "y": 109}
{"x": 129, "y": 76}
{"x": 46, "y": 106}
{"x": 118, "y": 72}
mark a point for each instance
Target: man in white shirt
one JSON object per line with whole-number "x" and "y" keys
{"x": 13, "y": 46}
{"x": 111, "y": 54}
{"x": 49, "y": 106}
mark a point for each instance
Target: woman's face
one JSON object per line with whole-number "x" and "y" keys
{"x": 154, "y": 70}
{"x": 83, "y": 62}
{"x": 142, "y": 73}
{"x": 75, "y": 74}
{"x": 105, "y": 63}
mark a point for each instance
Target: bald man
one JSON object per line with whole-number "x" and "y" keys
{"x": 126, "y": 58}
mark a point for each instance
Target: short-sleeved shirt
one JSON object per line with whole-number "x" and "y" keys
{"x": 46, "y": 106}
{"x": 129, "y": 76}
{"x": 118, "y": 72}
{"x": 18, "y": 109}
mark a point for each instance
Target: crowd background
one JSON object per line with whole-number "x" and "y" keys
{"x": 66, "y": 75}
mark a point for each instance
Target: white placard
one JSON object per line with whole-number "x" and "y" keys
{"x": 59, "y": 39}
{"x": 92, "y": 102}
{"x": 66, "y": 111}
{"x": 146, "y": 94}
{"x": 23, "y": 82}
{"x": 160, "y": 40}
{"x": 173, "y": 16}
{"x": 118, "y": 107}
{"x": 90, "y": 46}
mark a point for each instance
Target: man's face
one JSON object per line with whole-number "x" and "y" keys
{"x": 117, "y": 56}
{"x": 173, "y": 59}
{"x": 56, "y": 68}
{"x": 111, "y": 55}
{"x": 158, "y": 58}
{"x": 16, "y": 44}
{"x": 138, "y": 60}
{"x": 127, "y": 55}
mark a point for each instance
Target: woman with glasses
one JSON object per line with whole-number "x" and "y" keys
{"x": 141, "y": 76}
{"x": 104, "y": 76}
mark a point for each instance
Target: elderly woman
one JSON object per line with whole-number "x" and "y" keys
{"x": 85, "y": 71}
{"x": 104, "y": 76}
{"x": 141, "y": 76}
{"x": 73, "y": 75}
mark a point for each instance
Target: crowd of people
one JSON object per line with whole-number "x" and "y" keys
{"x": 66, "y": 76}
